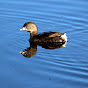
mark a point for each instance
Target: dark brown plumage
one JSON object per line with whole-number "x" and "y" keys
{"x": 47, "y": 37}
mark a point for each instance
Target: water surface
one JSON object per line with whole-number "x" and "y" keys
{"x": 49, "y": 68}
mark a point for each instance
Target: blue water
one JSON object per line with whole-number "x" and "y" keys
{"x": 57, "y": 68}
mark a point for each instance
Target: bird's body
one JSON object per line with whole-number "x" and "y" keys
{"x": 47, "y": 37}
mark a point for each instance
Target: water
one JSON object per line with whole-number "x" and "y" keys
{"x": 48, "y": 68}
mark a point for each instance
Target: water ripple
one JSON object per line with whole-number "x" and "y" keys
{"x": 59, "y": 65}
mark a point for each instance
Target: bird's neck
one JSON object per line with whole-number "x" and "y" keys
{"x": 32, "y": 34}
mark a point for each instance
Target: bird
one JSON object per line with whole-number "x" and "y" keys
{"x": 45, "y": 37}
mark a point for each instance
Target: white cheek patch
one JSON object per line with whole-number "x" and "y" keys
{"x": 23, "y": 28}
{"x": 64, "y": 37}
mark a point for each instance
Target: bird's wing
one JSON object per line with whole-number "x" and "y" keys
{"x": 50, "y": 34}
{"x": 56, "y": 34}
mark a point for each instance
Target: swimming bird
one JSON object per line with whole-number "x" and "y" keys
{"x": 46, "y": 37}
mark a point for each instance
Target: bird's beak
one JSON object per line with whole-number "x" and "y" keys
{"x": 23, "y": 28}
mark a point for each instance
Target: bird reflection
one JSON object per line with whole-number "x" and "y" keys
{"x": 33, "y": 48}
